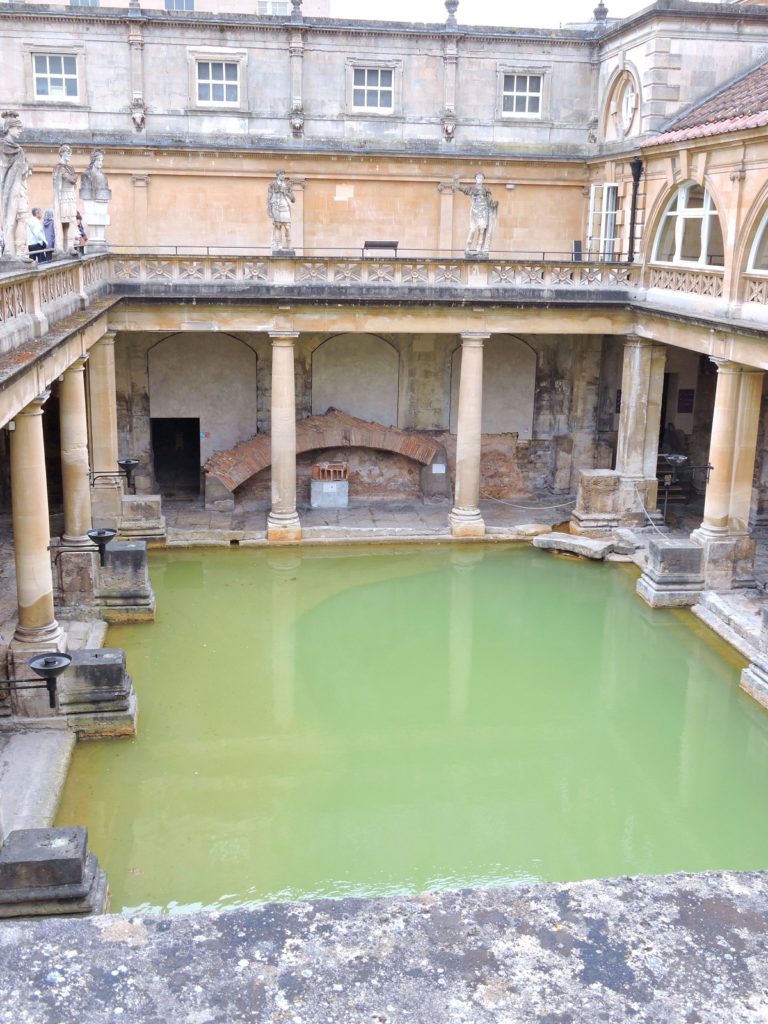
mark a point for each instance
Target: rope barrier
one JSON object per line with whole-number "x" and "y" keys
{"x": 532, "y": 508}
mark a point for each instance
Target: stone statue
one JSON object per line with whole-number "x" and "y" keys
{"x": 65, "y": 201}
{"x": 279, "y": 198}
{"x": 95, "y": 194}
{"x": 14, "y": 198}
{"x": 482, "y": 216}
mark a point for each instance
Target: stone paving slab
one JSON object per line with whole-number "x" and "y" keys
{"x": 33, "y": 768}
{"x": 680, "y": 949}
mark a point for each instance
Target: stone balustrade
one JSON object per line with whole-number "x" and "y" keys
{"x": 688, "y": 282}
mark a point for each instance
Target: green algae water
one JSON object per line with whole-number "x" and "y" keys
{"x": 366, "y": 721}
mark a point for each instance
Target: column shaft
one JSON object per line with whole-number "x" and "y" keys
{"x": 283, "y": 521}
{"x": 107, "y": 486}
{"x": 31, "y": 531}
{"x": 466, "y": 520}
{"x": 642, "y": 385}
{"x": 745, "y": 448}
{"x": 717, "y": 501}
{"x": 74, "y": 455}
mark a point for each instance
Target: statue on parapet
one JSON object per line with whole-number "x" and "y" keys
{"x": 65, "y": 202}
{"x": 279, "y": 199}
{"x": 95, "y": 194}
{"x": 14, "y": 196}
{"x": 482, "y": 216}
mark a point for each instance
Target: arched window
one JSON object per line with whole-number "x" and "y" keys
{"x": 690, "y": 231}
{"x": 622, "y": 108}
{"x": 758, "y": 257}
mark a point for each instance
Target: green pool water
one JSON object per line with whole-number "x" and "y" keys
{"x": 366, "y": 721}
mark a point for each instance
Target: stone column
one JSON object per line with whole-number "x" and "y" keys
{"x": 466, "y": 520}
{"x": 107, "y": 485}
{"x": 75, "y": 469}
{"x": 637, "y": 447}
{"x": 283, "y": 522}
{"x": 31, "y": 533}
{"x": 724, "y": 532}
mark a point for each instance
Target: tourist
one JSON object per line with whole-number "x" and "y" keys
{"x": 81, "y": 237}
{"x": 50, "y": 234}
{"x": 36, "y": 243}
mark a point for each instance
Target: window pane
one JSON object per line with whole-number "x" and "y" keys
{"x": 509, "y": 83}
{"x": 41, "y": 86}
{"x": 359, "y": 98}
{"x": 204, "y": 92}
{"x": 386, "y": 79}
{"x": 533, "y": 105}
{"x": 57, "y": 92}
{"x": 715, "y": 248}
{"x": 695, "y": 198}
{"x": 761, "y": 251}
{"x": 230, "y": 72}
{"x": 534, "y": 83}
{"x": 217, "y": 71}
{"x": 203, "y": 70}
{"x": 54, "y": 65}
{"x": 386, "y": 98}
{"x": 521, "y": 83}
{"x": 373, "y": 77}
{"x": 691, "y": 249}
{"x": 359, "y": 76}
{"x": 70, "y": 66}
{"x": 373, "y": 99}
{"x": 508, "y": 104}
{"x": 41, "y": 64}
{"x": 231, "y": 94}
{"x": 520, "y": 104}
{"x": 71, "y": 87}
{"x": 665, "y": 250}
{"x": 217, "y": 93}
{"x": 57, "y": 83}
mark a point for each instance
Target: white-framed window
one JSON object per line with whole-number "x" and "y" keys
{"x": 272, "y": 7}
{"x": 758, "y": 256}
{"x": 179, "y": 5}
{"x": 55, "y": 76}
{"x": 373, "y": 89}
{"x": 690, "y": 231}
{"x": 218, "y": 82}
{"x": 521, "y": 94}
{"x": 84, "y": 3}
{"x": 602, "y": 232}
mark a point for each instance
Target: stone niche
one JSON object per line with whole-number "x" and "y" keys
{"x": 358, "y": 373}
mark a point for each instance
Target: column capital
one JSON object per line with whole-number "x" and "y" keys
{"x": 729, "y": 366}
{"x": 284, "y": 338}
{"x": 474, "y": 339}
{"x": 637, "y": 342}
{"x": 35, "y": 407}
{"x": 108, "y": 338}
{"x": 78, "y": 366}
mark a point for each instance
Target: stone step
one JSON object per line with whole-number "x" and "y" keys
{"x": 33, "y": 768}
{"x": 574, "y": 544}
{"x": 734, "y": 616}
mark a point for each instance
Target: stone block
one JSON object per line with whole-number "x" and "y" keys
{"x": 728, "y": 561}
{"x": 586, "y": 547}
{"x": 217, "y": 497}
{"x": 329, "y": 493}
{"x": 96, "y": 681}
{"x": 74, "y": 575}
{"x": 123, "y": 590}
{"x": 436, "y": 480}
{"x": 673, "y": 577}
{"x": 35, "y": 857}
{"x": 596, "y": 512}
{"x": 141, "y": 517}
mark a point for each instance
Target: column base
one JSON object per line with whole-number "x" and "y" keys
{"x": 39, "y": 638}
{"x": 283, "y": 528}
{"x": 467, "y": 522}
{"x": 728, "y": 558}
{"x": 31, "y": 703}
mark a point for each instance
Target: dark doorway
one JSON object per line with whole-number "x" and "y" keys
{"x": 52, "y": 442}
{"x": 176, "y": 448}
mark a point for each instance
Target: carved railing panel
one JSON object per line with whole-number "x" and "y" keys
{"x": 13, "y": 301}
{"x": 688, "y": 282}
{"x": 58, "y": 284}
{"x": 756, "y": 289}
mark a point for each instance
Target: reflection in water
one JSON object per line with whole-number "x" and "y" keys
{"x": 326, "y": 722}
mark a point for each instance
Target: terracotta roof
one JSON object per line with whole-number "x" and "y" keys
{"x": 737, "y": 106}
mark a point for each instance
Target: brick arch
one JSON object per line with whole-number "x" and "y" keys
{"x": 334, "y": 429}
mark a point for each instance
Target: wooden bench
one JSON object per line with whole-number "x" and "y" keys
{"x": 379, "y": 245}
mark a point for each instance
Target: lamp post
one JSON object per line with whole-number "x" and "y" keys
{"x": 47, "y": 667}
{"x": 636, "y": 167}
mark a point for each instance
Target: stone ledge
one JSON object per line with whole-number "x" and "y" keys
{"x": 641, "y": 949}
{"x": 574, "y": 544}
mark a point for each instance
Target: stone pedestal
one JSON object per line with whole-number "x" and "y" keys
{"x": 141, "y": 518}
{"x": 75, "y": 574}
{"x": 606, "y": 500}
{"x": 754, "y": 678}
{"x": 123, "y": 589}
{"x": 674, "y": 575}
{"x": 96, "y": 217}
{"x": 728, "y": 560}
{"x": 97, "y": 695}
{"x": 50, "y": 871}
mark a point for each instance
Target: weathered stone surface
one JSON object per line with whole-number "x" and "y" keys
{"x": 96, "y": 681}
{"x": 36, "y": 857}
{"x": 686, "y": 949}
{"x": 124, "y": 592}
{"x": 142, "y": 517}
{"x": 587, "y": 547}
{"x": 673, "y": 576}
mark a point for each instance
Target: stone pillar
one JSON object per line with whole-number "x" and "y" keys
{"x": 445, "y": 238}
{"x": 283, "y": 522}
{"x": 75, "y": 470}
{"x": 607, "y": 499}
{"x": 466, "y": 520}
{"x": 724, "y": 532}
{"x": 31, "y": 534}
{"x": 107, "y": 485}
